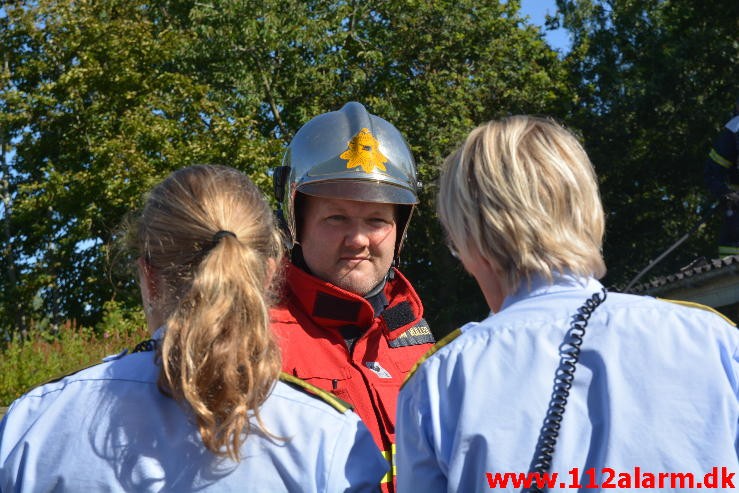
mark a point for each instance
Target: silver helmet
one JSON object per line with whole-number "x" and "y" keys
{"x": 347, "y": 154}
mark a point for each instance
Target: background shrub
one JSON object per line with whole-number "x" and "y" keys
{"x": 44, "y": 355}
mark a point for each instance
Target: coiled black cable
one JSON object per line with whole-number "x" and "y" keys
{"x": 569, "y": 355}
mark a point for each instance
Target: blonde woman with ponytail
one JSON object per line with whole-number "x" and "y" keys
{"x": 202, "y": 405}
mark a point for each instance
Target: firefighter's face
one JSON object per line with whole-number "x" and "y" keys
{"x": 348, "y": 243}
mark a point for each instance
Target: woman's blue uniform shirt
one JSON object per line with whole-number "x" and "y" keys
{"x": 656, "y": 388}
{"x": 109, "y": 428}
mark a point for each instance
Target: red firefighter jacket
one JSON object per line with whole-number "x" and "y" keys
{"x": 309, "y": 324}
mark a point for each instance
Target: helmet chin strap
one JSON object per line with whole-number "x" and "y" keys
{"x": 380, "y": 286}
{"x": 376, "y": 296}
{"x": 405, "y": 212}
{"x": 297, "y": 259}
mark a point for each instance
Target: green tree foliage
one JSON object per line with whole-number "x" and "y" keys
{"x": 99, "y": 100}
{"x": 656, "y": 81}
{"x": 97, "y": 105}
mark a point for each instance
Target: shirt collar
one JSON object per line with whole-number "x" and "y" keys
{"x": 540, "y": 285}
{"x": 158, "y": 334}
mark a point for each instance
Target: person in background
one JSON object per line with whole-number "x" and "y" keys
{"x": 721, "y": 173}
{"x": 349, "y": 322}
{"x": 601, "y": 389}
{"x": 201, "y": 406}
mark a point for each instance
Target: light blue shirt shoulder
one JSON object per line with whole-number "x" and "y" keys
{"x": 733, "y": 125}
{"x": 109, "y": 428}
{"x": 656, "y": 387}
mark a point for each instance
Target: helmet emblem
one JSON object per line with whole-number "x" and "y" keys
{"x": 364, "y": 150}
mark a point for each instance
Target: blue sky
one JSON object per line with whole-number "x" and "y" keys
{"x": 537, "y": 11}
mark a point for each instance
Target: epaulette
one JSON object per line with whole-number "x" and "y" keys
{"x": 66, "y": 374}
{"x": 443, "y": 342}
{"x": 110, "y": 357}
{"x": 699, "y": 306}
{"x": 329, "y": 398}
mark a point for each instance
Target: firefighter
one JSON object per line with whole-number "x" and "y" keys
{"x": 722, "y": 179}
{"x": 349, "y": 322}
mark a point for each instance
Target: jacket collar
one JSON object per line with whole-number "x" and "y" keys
{"x": 330, "y": 306}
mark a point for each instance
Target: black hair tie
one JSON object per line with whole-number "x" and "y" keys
{"x": 221, "y": 234}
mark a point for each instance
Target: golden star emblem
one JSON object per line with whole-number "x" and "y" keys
{"x": 364, "y": 150}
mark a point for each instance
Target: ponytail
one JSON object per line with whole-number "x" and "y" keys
{"x": 216, "y": 259}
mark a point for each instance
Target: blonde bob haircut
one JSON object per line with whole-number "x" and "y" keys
{"x": 207, "y": 234}
{"x": 522, "y": 193}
